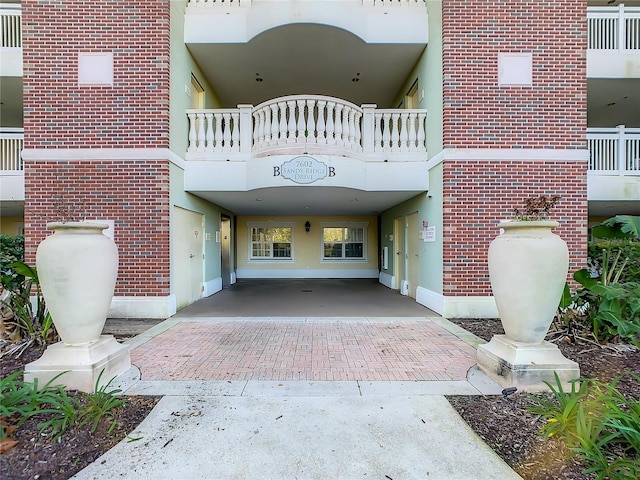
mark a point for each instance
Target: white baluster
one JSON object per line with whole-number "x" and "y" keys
{"x": 412, "y": 132}
{"x": 352, "y": 128}
{"x": 386, "y": 132}
{"x": 358, "y": 131}
{"x": 227, "y": 132}
{"x": 282, "y": 134}
{"x": 235, "y": 133}
{"x": 201, "y": 135}
{"x": 192, "y": 132}
{"x": 302, "y": 123}
{"x": 421, "y": 133}
{"x": 338, "y": 124}
{"x": 256, "y": 128}
{"x": 377, "y": 132}
{"x": 209, "y": 145}
{"x": 262, "y": 132}
{"x": 274, "y": 124}
{"x": 395, "y": 132}
{"x": 291, "y": 125}
{"x": 404, "y": 135}
{"x": 311, "y": 122}
{"x": 217, "y": 137}
{"x": 345, "y": 126}
{"x": 330, "y": 125}
{"x": 321, "y": 122}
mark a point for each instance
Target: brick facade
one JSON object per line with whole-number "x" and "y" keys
{"x": 133, "y": 193}
{"x": 133, "y": 113}
{"x": 479, "y": 114}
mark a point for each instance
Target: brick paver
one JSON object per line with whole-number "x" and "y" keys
{"x": 305, "y": 350}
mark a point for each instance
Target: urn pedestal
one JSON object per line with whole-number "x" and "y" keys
{"x": 528, "y": 266}
{"x": 77, "y": 269}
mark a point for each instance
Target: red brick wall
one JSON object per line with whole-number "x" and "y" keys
{"x": 479, "y": 194}
{"x": 478, "y": 114}
{"x": 549, "y": 114}
{"x": 133, "y": 193}
{"x": 134, "y": 112}
{"x": 131, "y": 114}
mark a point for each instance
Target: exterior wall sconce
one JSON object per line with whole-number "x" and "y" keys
{"x": 307, "y": 226}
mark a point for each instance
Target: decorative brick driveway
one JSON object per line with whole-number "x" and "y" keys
{"x": 407, "y": 349}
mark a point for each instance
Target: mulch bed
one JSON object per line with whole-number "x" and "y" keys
{"x": 513, "y": 433}
{"x": 37, "y": 457}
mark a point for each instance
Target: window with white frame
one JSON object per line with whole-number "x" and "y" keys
{"x": 344, "y": 242}
{"x": 270, "y": 242}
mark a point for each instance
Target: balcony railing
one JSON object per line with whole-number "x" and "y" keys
{"x": 306, "y": 124}
{"x": 10, "y": 26}
{"x": 613, "y": 28}
{"x": 614, "y": 151}
{"x": 247, "y": 3}
{"x": 11, "y": 144}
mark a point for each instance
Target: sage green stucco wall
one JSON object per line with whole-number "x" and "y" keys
{"x": 182, "y": 65}
{"x": 211, "y": 212}
{"x": 428, "y": 72}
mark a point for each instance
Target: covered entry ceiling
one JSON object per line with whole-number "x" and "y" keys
{"x": 306, "y": 59}
{"x": 307, "y": 200}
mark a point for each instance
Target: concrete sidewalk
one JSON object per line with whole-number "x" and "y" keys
{"x": 256, "y": 429}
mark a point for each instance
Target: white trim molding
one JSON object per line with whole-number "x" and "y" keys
{"x": 387, "y": 280}
{"x": 515, "y": 154}
{"x": 212, "y": 286}
{"x": 307, "y": 273}
{"x": 143, "y": 307}
{"x": 457, "y": 307}
{"x": 89, "y": 154}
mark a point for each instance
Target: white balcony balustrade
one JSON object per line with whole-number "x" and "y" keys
{"x": 10, "y": 26}
{"x": 11, "y": 144}
{"x": 306, "y": 124}
{"x": 613, "y": 28}
{"x": 614, "y": 151}
{"x": 247, "y": 3}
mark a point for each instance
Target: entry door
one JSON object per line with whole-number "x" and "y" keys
{"x": 399, "y": 247}
{"x": 188, "y": 256}
{"x": 412, "y": 253}
{"x": 226, "y": 250}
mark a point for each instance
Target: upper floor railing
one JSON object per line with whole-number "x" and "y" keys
{"x": 247, "y": 3}
{"x": 11, "y": 144}
{"x": 10, "y": 25}
{"x": 613, "y": 28}
{"x": 614, "y": 151}
{"x": 306, "y": 124}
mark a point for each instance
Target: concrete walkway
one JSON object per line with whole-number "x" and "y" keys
{"x": 336, "y": 397}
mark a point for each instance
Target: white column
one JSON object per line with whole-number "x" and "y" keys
{"x": 368, "y": 128}
{"x": 622, "y": 151}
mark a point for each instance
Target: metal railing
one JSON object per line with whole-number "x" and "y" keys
{"x": 10, "y": 25}
{"x": 614, "y": 151}
{"x": 11, "y": 145}
{"x": 613, "y": 28}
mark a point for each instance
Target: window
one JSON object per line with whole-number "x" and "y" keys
{"x": 270, "y": 242}
{"x": 343, "y": 243}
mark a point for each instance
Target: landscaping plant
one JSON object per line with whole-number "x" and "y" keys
{"x": 20, "y": 400}
{"x": 599, "y": 424}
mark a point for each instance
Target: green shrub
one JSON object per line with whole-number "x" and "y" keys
{"x": 599, "y": 424}
{"x": 11, "y": 250}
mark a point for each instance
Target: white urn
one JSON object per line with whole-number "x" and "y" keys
{"x": 528, "y": 267}
{"x": 77, "y": 267}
